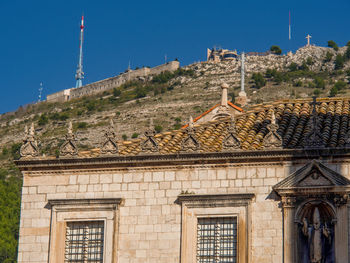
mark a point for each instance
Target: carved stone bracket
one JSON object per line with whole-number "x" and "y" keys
{"x": 231, "y": 141}
{"x": 69, "y": 146}
{"x": 288, "y": 201}
{"x": 190, "y": 143}
{"x": 150, "y": 145}
{"x": 272, "y": 139}
{"x": 340, "y": 200}
{"x": 30, "y": 146}
{"x": 110, "y": 145}
{"x": 313, "y": 139}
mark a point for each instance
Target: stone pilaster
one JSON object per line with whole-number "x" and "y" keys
{"x": 288, "y": 204}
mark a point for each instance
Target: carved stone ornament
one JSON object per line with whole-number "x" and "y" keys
{"x": 69, "y": 147}
{"x": 30, "y": 146}
{"x": 341, "y": 200}
{"x": 272, "y": 139}
{"x": 313, "y": 139}
{"x": 150, "y": 145}
{"x": 347, "y": 139}
{"x": 231, "y": 141}
{"x": 288, "y": 201}
{"x": 190, "y": 143}
{"x": 110, "y": 145}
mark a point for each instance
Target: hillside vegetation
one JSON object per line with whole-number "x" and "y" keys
{"x": 169, "y": 99}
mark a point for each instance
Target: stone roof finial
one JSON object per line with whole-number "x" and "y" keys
{"x": 231, "y": 142}
{"x": 150, "y": 145}
{"x": 30, "y": 146}
{"x": 224, "y": 88}
{"x": 190, "y": 142}
{"x": 190, "y": 123}
{"x": 272, "y": 139}
{"x": 273, "y": 118}
{"x": 69, "y": 146}
{"x": 110, "y": 145}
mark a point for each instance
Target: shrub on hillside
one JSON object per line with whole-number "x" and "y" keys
{"x": 319, "y": 83}
{"x": 276, "y": 50}
{"x": 328, "y": 57}
{"x": 43, "y": 120}
{"x": 339, "y": 62}
{"x": 259, "y": 80}
{"x": 293, "y": 67}
{"x": 333, "y": 45}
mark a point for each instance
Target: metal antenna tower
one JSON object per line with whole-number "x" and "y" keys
{"x": 40, "y": 91}
{"x": 80, "y": 74}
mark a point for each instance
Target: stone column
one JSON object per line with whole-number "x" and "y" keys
{"x": 288, "y": 229}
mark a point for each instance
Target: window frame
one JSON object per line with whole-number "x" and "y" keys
{"x": 80, "y": 210}
{"x": 220, "y": 205}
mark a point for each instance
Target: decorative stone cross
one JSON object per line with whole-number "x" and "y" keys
{"x": 308, "y": 37}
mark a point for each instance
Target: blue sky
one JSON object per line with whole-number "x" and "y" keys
{"x": 40, "y": 38}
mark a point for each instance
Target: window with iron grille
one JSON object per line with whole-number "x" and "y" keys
{"x": 84, "y": 242}
{"x": 217, "y": 240}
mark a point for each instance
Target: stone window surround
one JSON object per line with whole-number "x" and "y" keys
{"x": 219, "y": 205}
{"x": 72, "y": 210}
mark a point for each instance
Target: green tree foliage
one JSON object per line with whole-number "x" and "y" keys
{"x": 339, "y": 62}
{"x": 317, "y": 92}
{"x": 10, "y": 202}
{"x": 293, "y": 67}
{"x": 276, "y": 50}
{"x": 259, "y": 80}
{"x": 158, "y": 128}
{"x": 116, "y": 92}
{"x": 135, "y": 135}
{"x": 347, "y": 53}
{"x": 333, "y": 45}
{"x": 43, "y": 120}
{"x": 340, "y": 85}
{"x": 309, "y": 61}
{"x": 328, "y": 57}
{"x": 319, "y": 83}
{"x": 333, "y": 92}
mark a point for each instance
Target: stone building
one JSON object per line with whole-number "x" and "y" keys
{"x": 268, "y": 185}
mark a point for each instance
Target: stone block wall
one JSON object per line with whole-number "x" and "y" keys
{"x": 113, "y": 82}
{"x": 150, "y": 220}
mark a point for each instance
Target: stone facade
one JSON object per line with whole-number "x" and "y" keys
{"x": 149, "y": 228}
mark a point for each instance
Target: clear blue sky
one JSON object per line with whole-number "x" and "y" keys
{"x": 39, "y": 38}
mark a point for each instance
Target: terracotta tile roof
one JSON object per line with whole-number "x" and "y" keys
{"x": 294, "y": 124}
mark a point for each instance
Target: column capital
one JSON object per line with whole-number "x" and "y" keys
{"x": 288, "y": 201}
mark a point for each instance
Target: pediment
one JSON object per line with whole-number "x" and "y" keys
{"x": 313, "y": 175}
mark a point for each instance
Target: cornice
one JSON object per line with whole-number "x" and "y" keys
{"x": 234, "y": 157}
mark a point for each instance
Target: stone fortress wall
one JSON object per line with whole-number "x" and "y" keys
{"x": 107, "y": 84}
{"x": 260, "y": 63}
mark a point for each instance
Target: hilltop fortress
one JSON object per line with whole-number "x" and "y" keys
{"x": 230, "y": 66}
{"x": 109, "y": 83}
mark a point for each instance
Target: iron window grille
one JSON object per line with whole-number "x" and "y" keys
{"x": 84, "y": 242}
{"x": 217, "y": 240}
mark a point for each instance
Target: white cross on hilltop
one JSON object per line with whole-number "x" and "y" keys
{"x": 308, "y": 39}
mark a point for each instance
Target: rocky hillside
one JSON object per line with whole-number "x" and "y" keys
{"x": 170, "y": 98}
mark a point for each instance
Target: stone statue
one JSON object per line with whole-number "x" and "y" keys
{"x": 317, "y": 235}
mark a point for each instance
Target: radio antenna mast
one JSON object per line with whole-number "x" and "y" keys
{"x": 80, "y": 74}
{"x": 40, "y": 91}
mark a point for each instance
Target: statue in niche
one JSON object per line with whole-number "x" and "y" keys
{"x": 318, "y": 245}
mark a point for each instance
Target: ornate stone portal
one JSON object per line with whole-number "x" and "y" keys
{"x": 315, "y": 215}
